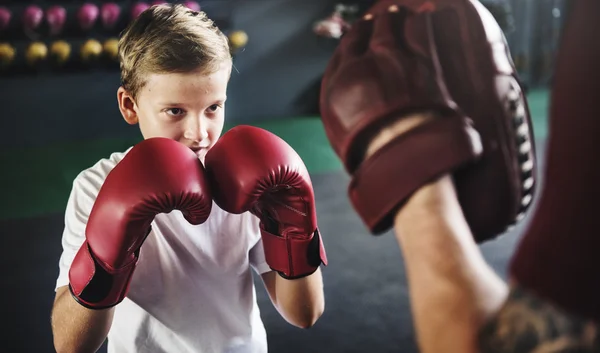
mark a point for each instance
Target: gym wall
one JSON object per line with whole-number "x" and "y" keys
{"x": 276, "y": 76}
{"x": 534, "y": 37}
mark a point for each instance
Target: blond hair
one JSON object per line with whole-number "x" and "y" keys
{"x": 167, "y": 39}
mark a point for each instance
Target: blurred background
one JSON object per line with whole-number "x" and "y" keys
{"x": 58, "y": 116}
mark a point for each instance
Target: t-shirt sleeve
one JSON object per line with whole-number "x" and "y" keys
{"x": 257, "y": 252}
{"x": 83, "y": 194}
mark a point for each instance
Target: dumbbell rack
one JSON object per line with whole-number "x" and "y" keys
{"x": 18, "y": 40}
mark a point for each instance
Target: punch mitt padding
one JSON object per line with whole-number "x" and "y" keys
{"x": 449, "y": 58}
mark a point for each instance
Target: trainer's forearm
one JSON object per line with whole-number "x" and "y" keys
{"x": 76, "y": 328}
{"x": 452, "y": 289}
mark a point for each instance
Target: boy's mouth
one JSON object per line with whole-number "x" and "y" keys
{"x": 199, "y": 151}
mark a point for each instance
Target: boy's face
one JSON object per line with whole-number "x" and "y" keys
{"x": 185, "y": 107}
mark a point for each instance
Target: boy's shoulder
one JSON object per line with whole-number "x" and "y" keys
{"x": 93, "y": 176}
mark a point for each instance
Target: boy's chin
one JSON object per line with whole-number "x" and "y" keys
{"x": 201, "y": 155}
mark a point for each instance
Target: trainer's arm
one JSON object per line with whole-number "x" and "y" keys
{"x": 459, "y": 303}
{"x": 75, "y": 328}
{"x": 453, "y": 291}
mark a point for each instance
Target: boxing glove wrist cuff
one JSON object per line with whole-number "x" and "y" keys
{"x": 294, "y": 257}
{"x": 95, "y": 287}
{"x": 385, "y": 180}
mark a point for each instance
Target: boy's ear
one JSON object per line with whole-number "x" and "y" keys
{"x": 127, "y": 106}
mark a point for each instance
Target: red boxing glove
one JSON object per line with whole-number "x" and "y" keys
{"x": 158, "y": 175}
{"x": 250, "y": 169}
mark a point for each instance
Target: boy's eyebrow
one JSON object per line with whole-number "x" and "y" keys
{"x": 169, "y": 103}
{"x": 220, "y": 99}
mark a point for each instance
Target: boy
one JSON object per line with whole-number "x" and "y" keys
{"x": 189, "y": 287}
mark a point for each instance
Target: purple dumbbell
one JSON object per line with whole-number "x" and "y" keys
{"x": 110, "y": 13}
{"x": 32, "y": 17}
{"x": 192, "y": 5}
{"x": 87, "y": 16}
{"x": 56, "y": 16}
{"x": 5, "y": 16}
{"x": 138, "y": 8}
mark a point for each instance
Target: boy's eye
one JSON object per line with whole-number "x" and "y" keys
{"x": 214, "y": 107}
{"x": 175, "y": 111}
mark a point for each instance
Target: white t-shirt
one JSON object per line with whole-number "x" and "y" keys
{"x": 192, "y": 290}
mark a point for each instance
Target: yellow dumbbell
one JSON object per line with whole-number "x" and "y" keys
{"x": 36, "y": 53}
{"x": 237, "y": 39}
{"x": 60, "y": 51}
{"x": 7, "y": 55}
{"x": 111, "y": 49}
{"x": 90, "y": 50}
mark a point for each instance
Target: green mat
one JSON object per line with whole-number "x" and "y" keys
{"x": 36, "y": 181}
{"x": 538, "y": 106}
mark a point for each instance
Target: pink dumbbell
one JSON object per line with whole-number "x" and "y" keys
{"x": 5, "y": 16}
{"x": 110, "y": 13}
{"x": 87, "y": 16}
{"x": 32, "y": 17}
{"x": 138, "y": 8}
{"x": 192, "y": 5}
{"x": 56, "y": 16}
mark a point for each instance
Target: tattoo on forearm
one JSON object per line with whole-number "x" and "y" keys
{"x": 526, "y": 324}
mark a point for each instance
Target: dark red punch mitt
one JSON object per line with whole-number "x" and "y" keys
{"x": 447, "y": 57}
